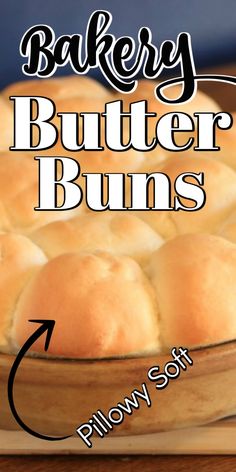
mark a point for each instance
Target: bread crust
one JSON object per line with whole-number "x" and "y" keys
{"x": 194, "y": 278}
{"x": 220, "y": 190}
{"x": 97, "y": 301}
{"x": 19, "y": 259}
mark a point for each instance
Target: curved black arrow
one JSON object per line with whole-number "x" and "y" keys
{"x": 46, "y": 326}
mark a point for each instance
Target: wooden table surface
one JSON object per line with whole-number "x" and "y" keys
{"x": 226, "y": 97}
{"x": 119, "y": 464}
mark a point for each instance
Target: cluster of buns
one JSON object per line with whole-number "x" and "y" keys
{"x": 116, "y": 283}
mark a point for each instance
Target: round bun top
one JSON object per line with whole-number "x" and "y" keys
{"x": 101, "y": 299}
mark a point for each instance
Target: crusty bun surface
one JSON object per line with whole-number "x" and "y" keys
{"x": 19, "y": 195}
{"x": 120, "y": 234}
{"x": 106, "y": 305}
{"x": 100, "y": 301}
{"x": 220, "y": 190}
{"x": 194, "y": 277}
{"x": 19, "y": 259}
{"x": 146, "y": 91}
{"x": 58, "y": 88}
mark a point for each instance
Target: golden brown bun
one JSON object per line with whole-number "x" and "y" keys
{"x": 103, "y": 306}
{"x": 70, "y": 94}
{"x": 194, "y": 278}
{"x": 226, "y": 140}
{"x": 105, "y": 161}
{"x": 20, "y": 258}
{"x": 109, "y": 161}
{"x": 6, "y": 125}
{"x": 228, "y": 228}
{"x": 98, "y": 300}
{"x": 58, "y": 88}
{"x": 120, "y": 234}
{"x": 146, "y": 91}
{"x": 220, "y": 188}
{"x": 79, "y": 104}
{"x": 19, "y": 194}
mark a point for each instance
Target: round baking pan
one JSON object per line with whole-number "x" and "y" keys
{"x": 55, "y": 397}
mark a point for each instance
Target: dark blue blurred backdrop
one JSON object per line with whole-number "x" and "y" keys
{"x": 212, "y": 24}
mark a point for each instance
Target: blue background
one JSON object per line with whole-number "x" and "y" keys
{"x": 212, "y": 24}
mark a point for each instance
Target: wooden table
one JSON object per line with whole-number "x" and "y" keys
{"x": 119, "y": 464}
{"x": 226, "y": 97}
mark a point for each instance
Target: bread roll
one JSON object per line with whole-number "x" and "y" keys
{"x": 82, "y": 104}
{"x": 220, "y": 189}
{"x": 226, "y": 140}
{"x": 103, "y": 162}
{"x": 228, "y": 228}
{"x": 194, "y": 278}
{"x": 106, "y": 161}
{"x": 6, "y": 125}
{"x": 19, "y": 195}
{"x": 58, "y": 88}
{"x": 146, "y": 91}
{"x": 20, "y": 259}
{"x": 103, "y": 305}
{"x": 120, "y": 234}
{"x": 70, "y": 94}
